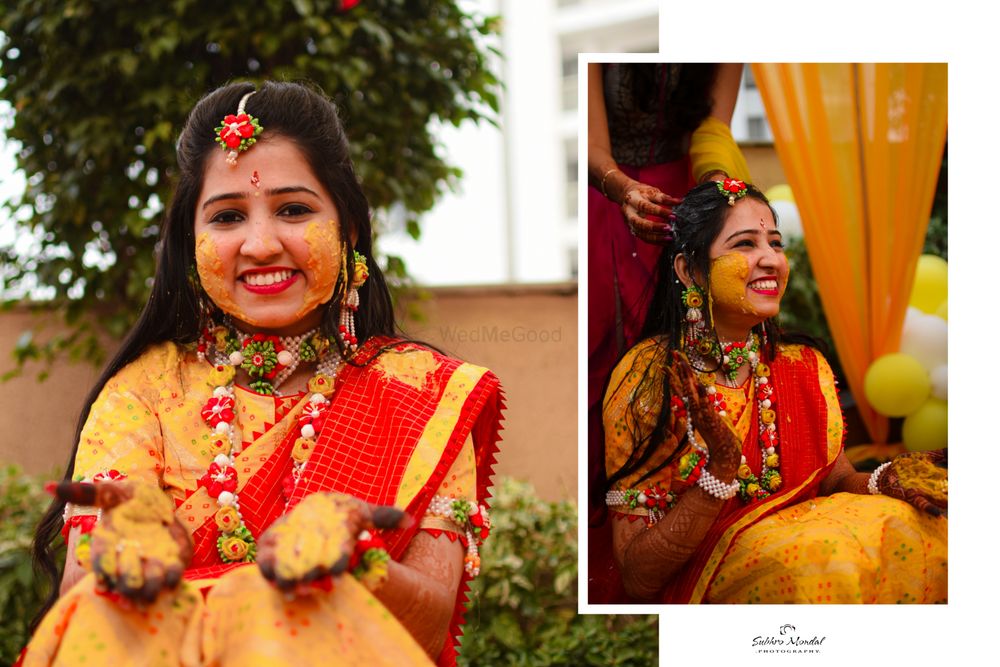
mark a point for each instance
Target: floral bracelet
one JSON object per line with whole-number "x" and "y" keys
{"x": 472, "y": 520}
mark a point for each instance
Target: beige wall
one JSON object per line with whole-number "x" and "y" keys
{"x": 527, "y": 336}
{"x": 765, "y": 167}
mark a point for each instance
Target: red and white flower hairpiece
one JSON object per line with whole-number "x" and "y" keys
{"x": 238, "y": 132}
{"x": 733, "y": 188}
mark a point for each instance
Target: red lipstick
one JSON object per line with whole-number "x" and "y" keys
{"x": 273, "y": 288}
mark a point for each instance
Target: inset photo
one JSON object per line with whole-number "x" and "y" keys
{"x": 767, "y": 328}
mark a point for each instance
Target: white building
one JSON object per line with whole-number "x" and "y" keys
{"x": 515, "y": 219}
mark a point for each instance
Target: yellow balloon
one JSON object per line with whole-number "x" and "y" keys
{"x": 927, "y": 428}
{"x": 782, "y": 192}
{"x": 930, "y": 284}
{"x": 896, "y": 384}
{"x": 942, "y": 310}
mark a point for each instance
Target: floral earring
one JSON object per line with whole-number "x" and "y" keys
{"x": 697, "y": 341}
{"x": 351, "y": 301}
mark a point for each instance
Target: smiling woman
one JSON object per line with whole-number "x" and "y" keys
{"x": 265, "y": 433}
{"x": 269, "y": 256}
{"x": 724, "y": 442}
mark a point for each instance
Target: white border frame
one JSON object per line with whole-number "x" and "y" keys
{"x": 855, "y": 31}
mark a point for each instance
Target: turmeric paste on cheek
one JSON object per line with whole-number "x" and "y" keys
{"x": 212, "y": 274}
{"x": 728, "y": 282}
{"x": 323, "y": 264}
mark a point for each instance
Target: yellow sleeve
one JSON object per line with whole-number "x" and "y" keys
{"x": 714, "y": 149}
{"x": 631, "y": 407}
{"x": 122, "y": 431}
{"x": 459, "y": 482}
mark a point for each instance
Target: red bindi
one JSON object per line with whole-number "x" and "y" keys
{"x": 255, "y": 181}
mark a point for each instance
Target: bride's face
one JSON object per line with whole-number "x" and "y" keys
{"x": 749, "y": 269}
{"x": 267, "y": 239}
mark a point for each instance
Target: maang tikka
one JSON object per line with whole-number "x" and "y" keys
{"x": 238, "y": 132}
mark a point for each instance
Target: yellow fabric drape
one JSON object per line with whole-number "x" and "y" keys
{"x": 714, "y": 149}
{"x": 861, "y": 146}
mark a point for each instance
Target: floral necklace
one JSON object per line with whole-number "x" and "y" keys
{"x": 736, "y": 354}
{"x": 751, "y": 487}
{"x": 268, "y": 360}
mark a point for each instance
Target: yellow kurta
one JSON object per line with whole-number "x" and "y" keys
{"x": 147, "y": 424}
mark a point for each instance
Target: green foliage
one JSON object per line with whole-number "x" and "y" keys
{"x": 524, "y": 603}
{"x": 101, "y": 88}
{"x": 936, "y": 241}
{"x": 22, "y": 502}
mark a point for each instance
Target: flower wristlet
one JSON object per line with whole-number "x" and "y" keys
{"x": 370, "y": 561}
{"x": 472, "y": 520}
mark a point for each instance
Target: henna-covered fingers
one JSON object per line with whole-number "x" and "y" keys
{"x": 723, "y": 444}
{"x": 919, "y": 479}
{"x": 316, "y": 541}
{"x": 104, "y": 495}
{"x": 646, "y": 210}
{"x": 139, "y": 547}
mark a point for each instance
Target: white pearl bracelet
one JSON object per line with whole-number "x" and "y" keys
{"x": 715, "y": 487}
{"x": 873, "y": 479}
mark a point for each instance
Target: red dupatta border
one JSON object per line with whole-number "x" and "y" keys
{"x": 486, "y": 441}
{"x": 810, "y": 419}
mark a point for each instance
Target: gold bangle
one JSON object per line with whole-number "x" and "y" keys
{"x": 604, "y": 179}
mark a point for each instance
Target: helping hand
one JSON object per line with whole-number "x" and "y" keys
{"x": 724, "y": 447}
{"x": 646, "y": 210}
{"x": 300, "y": 551}
{"x": 919, "y": 478}
{"x": 138, "y": 548}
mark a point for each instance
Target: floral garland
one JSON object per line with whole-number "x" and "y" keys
{"x": 472, "y": 518}
{"x": 263, "y": 358}
{"x": 752, "y": 487}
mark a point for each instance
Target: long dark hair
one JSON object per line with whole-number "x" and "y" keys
{"x": 298, "y": 112}
{"x": 699, "y": 220}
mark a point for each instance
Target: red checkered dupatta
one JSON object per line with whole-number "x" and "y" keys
{"x": 810, "y": 428}
{"x": 381, "y": 414}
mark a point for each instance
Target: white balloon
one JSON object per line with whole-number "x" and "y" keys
{"x": 912, "y": 313}
{"x": 925, "y": 338}
{"x": 789, "y": 221}
{"x": 939, "y": 382}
